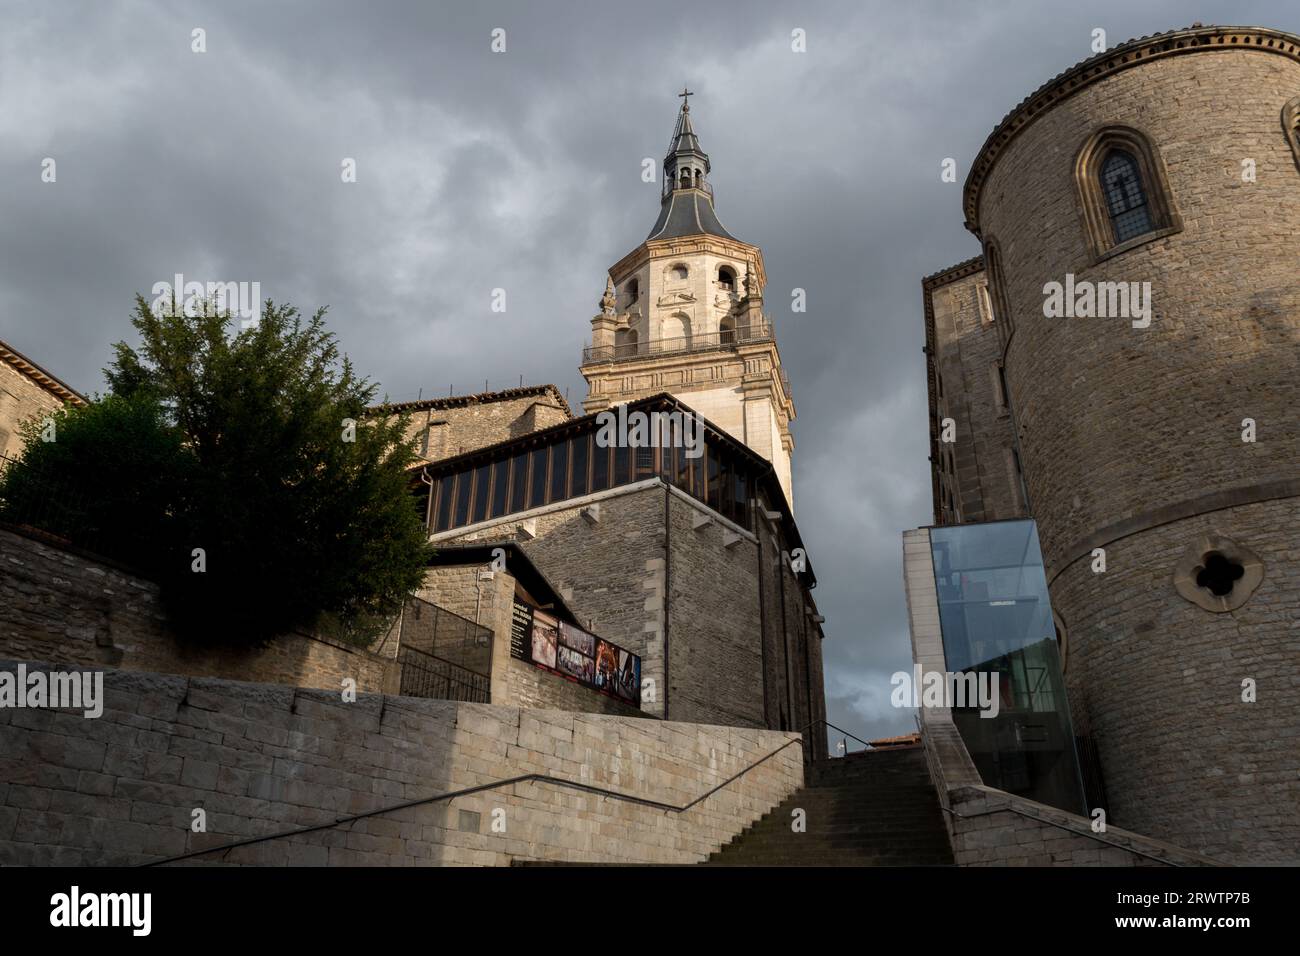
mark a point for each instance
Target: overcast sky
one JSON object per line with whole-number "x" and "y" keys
{"x": 521, "y": 170}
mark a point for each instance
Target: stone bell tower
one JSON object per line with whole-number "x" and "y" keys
{"x": 683, "y": 313}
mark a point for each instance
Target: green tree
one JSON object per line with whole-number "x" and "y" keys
{"x": 106, "y": 481}
{"x": 294, "y": 504}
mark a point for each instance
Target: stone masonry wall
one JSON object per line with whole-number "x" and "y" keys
{"x": 262, "y": 759}
{"x": 1117, "y": 420}
{"x": 714, "y": 626}
{"x": 978, "y": 469}
{"x": 20, "y": 400}
{"x": 1117, "y": 423}
{"x": 515, "y": 683}
{"x": 603, "y": 567}
{"x": 1150, "y": 666}
{"x": 61, "y": 605}
{"x": 456, "y": 429}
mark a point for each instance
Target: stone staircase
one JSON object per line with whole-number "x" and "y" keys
{"x": 876, "y": 808}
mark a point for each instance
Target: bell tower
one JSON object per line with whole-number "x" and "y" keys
{"x": 683, "y": 313}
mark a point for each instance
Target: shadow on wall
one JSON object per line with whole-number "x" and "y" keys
{"x": 250, "y": 760}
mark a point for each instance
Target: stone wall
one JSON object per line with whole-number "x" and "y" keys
{"x": 20, "y": 399}
{"x": 1132, "y": 436}
{"x": 977, "y": 470}
{"x": 515, "y": 683}
{"x": 628, "y": 581}
{"x": 461, "y": 424}
{"x": 60, "y": 604}
{"x": 262, "y": 759}
{"x": 1148, "y": 667}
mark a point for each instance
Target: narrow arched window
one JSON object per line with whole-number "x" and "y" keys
{"x": 1291, "y": 126}
{"x": 727, "y": 331}
{"x": 1126, "y": 197}
{"x": 1124, "y": 193}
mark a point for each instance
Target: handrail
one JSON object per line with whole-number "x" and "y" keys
{"x": 1077, "y": 831}
{"x": 1007, "y": 808}
{"x": 534, "y": 777}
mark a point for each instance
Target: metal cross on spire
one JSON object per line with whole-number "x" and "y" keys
{"x": 684, "y": 95}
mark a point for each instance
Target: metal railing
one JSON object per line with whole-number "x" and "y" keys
{"x": 512, "y": 781}
{"x": 443, "y": 656}
{"x": 701, "y": 342}
{"x": 424, "y": 675}
{"x": 36, "y": 497}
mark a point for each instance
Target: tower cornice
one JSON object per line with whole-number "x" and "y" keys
{"x": 689, "y": 246}
{"x": 1195, "y": 39}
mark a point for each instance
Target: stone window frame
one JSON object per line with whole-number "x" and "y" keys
{"x": 1291, "y": 126}
{"x": 1093, "y": 210}
{"x": 1191, "y": 563}
{"x": 1062, "y": 634}
{"x": 984, "y": 302}
{"x": 997, "y": 286}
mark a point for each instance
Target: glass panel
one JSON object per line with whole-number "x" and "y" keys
{"x": 697, "y": 473}
{"x": 724, "y": 482}
{"x": 714, "y": 499}
{"x": 446, "y": 492}
{"x": 560, "y": 471}
{"x": 519, "y": 483}
{"x": 1125, "y": 198}
{"x": 481, "y": 475}
{"x": 537, "y": 480}
{"x": 645, "y": 463}
{"x": 581, "y": 448}
{"x": 463, "y": 488}
{"x": 740, "y": 501}
{"x": 999, "y": 638}
{"x": 500, "y": 487}
{"x": 683, "y": 470}
{"x": 622, "y": 465}
{"x": 599, "y": 467}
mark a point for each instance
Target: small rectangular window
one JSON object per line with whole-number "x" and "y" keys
{"x": 740, "y": 500}
{"x": 446, "y": 492}
{"x": 560, "y": 471}
{"x": 715, "y": 479}
{"x": 519, "y": 483}
{"x": 622, "y": 465}
{"x": 500, "y": 488}
{"x": 482, "y": 474}
{"x": 581, "y": 452}
{"x": 599, "y": 467}
{"x": 463, "y": 488}
{"x": 537, "y": 462}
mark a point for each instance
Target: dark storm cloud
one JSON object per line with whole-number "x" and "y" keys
{"x": 522, "y": 171}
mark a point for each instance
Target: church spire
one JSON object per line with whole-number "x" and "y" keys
{"x": 687, "y": 198}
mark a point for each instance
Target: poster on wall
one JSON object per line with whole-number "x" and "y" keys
{"x": 546, "y": 638}
{"x": 572, "y": 653}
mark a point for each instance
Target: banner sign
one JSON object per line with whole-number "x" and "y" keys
{"x": 572, "y": 653}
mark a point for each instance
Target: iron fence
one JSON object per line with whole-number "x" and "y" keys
{"x": 703, "y": 341}
{"x": 424, "y": 675}
{"x": 36, "y": 497}
{"x": 443, "y": 655}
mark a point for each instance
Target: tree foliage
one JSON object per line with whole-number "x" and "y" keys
{"x": 285, "y": 503}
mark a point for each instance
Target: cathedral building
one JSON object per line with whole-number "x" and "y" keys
{"x": 683, "y": 558}
{"x": 683, "y": 314}
{"x": 1150, "y": 429}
